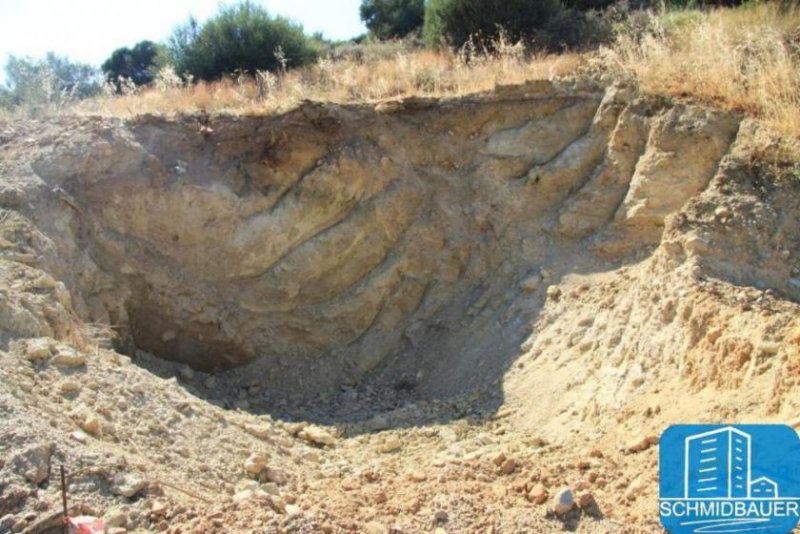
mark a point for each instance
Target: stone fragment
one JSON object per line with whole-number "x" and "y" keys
{"x": 186, "y": 373}
{"x": 531, "y": 284}
{"x": 115, "y": 518}
{"x": 69, "y": 386}
{"x": 127, "y": 485}
{"x": 255, "y": 463}
{"x": 260, "y": 431}
{"x": 589, "y": 506}
{"x": 563, "y": 502}
{"x": 33, "y": 463}
{"x": 317, "y": 435}
{"x": 554, "y": 293}
{"x": 68, "y": 357}
{"x": 508, "y": 466}
{"x": 642, "y": 445}
{"x": 292, "y": 509}
{"x": 392, "y": 444}
{"x": 38, "y": 349}
{"x": 91, "y": 425}
{"x": 538, "y": 494}
{"x": 278, "y": 476}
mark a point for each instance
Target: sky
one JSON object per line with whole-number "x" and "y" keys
{"x": 90, "y": 30}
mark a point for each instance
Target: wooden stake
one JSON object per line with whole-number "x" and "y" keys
{"x": 64, "y": 500}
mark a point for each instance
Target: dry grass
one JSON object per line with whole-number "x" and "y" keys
{"x": 745, "y": 59}
{"x": 344, "y": 80}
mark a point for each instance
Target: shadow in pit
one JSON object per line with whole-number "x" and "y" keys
{"x": 458, "y": 386}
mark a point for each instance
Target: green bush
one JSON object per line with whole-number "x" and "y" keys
{"x": 138, "y": 64}
{"x": 455, "y": 22}
{"x": 390, "y": 19}
{"x": 239, "y": 38}
{"x": 39, "y": 86}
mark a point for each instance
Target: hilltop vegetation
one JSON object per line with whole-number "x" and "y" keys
{"x": 743, "y": 58}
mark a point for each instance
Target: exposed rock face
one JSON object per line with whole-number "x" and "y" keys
{"x": 316, "y": 245}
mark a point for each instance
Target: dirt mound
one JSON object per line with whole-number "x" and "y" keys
{"x": 521, "y": 274}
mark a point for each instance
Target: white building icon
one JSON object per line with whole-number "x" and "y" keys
{"x": 718, "y": 466}
{"x": 764, "y": 488}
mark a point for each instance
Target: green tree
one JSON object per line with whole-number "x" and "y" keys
{"x": 388, "y": 19}
{"x": 51, "y": 82}
{"x": 454, "y": 22}
{"x": 241, "y": 37}
{"x": 139, "y": 64}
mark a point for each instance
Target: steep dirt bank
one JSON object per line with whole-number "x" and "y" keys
{"x": 539, "y": 272}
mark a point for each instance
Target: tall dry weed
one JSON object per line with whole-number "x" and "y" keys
{"x": 745, "y": 59}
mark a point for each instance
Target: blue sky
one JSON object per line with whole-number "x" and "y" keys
{"x": 89, "y": 30}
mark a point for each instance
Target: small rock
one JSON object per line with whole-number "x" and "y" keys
{"x": 271, "y": 488}
{"x": 554, "y": 293}
{"x": 69, "y": 357}
{"x": 317, "y": 435}
{"x": 277, "y": 476}
{"x": 563, "y": 502}
{"x": 509, "y": 466}
{"x": 186, "y": 373}
{"x": 38, "y": 349}
{"x": 292, "y": 509}
{"x": 69, "y": 386}
{"x": 418, "y": 476}
{"x": 115, "y": 518}
{"x": 243, "y": 496}
{"x": 392, "y": 444}
{"x": 531, "y": 284}
{"x": 91, "y": 425}
{"x": 79, "y": 436}
{"x": 127, "y": 485}
{"x": 255, "y": 463}
{"x": 294, "y": 428}
{"x": 642, "y": 445}
{"x": 589, "y": 505}
{"x": 499, "y": 459}
{"x": 311, "y": 456}
{"x": 635, "y": 488}
{"x": 34, "y": 462}
{"x": 596, "y": 453}
{"x": 377, "y": 423}
{"x": 158, "y": 508}
{"x": 440, "y": 516}
{"x": 538, "y": 494}
{"x": 260, "y": 431}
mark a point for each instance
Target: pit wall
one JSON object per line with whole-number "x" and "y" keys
{"x": 312, "y": 248}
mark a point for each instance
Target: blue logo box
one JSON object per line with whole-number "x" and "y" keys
{"x": 729, "y": 478}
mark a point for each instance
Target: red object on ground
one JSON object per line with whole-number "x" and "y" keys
{"x": 85, "y": 525}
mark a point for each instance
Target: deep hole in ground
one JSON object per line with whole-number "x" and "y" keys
{"x": 337, "y": 253}
{"x": 538, "y": 272}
